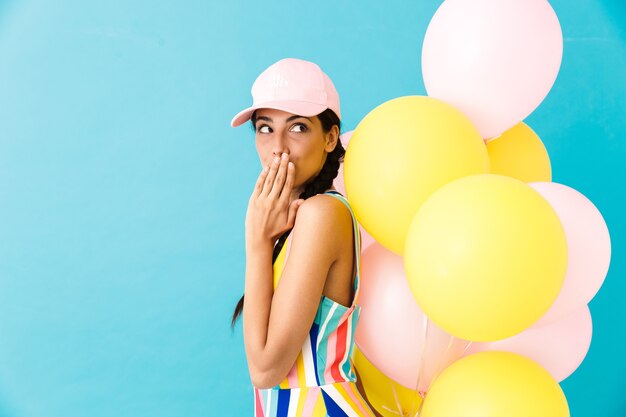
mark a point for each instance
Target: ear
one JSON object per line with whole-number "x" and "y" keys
{"x": 331, "y": 138}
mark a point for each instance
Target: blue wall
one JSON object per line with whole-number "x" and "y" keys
{"x": 123, "y": 189}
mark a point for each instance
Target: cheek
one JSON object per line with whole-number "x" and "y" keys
{"x": 264, "y": 155}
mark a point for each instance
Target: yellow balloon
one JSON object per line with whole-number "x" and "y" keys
{"x": 399, "y": 154}
{"x": 485, "y": 257}
{"x": 519, "y": 153}
{"x": 387, "y": 396}
{"x": 495, "y": 384}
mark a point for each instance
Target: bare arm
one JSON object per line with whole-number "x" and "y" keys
{"x": 256, "y": 308}
{"x": 284, "y": 317}
{"x": 270, "y": 213}
{"x": 276, "y": 323}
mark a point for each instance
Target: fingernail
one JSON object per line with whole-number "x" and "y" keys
{"x": 276, "y": 159}
{"x": 285, "y": 156}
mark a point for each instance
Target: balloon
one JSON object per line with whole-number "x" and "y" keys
{"x": 388, "y": 397}
{"x": 560, "y": 347}
{"x": 399, "y": 154}
{"x": 494, "y": 60}
{"x": 390, "y": 324}
{"x": 495, "y": 384}
{"x": 588, "y": 245}
{"x": 366, "y": 239}
{"x": 485, "y": 257}
{"x": 519, "y": 153}
{"x": 393, "y": 332}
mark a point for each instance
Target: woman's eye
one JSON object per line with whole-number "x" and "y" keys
{"x": 264, "y": 129}
{"x": 299, "y": 128}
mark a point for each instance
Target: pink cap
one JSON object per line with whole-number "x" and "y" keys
{"x": 292, "y": 85}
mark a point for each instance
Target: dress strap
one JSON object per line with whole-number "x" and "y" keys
{"x": 357, "y": 241}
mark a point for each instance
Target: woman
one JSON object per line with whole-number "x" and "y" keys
{"x": 302, "y": 251}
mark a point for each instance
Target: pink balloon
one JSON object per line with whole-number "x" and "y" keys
{"x": 393, "y": 333}
{"x": 559, "y": 347}
{"x": 494, "y": 60}
{"x": 366, "y": 239}
{"x": 588, "y": 248}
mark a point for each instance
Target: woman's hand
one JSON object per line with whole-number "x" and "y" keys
{"x": 270, "y": 211}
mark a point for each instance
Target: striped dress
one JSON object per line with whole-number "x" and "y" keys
{"x": 322, "y": 381}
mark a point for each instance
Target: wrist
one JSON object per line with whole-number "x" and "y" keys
{"x": 259, "y": 244}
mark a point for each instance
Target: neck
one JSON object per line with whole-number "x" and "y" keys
{"x": 295, "y": 193}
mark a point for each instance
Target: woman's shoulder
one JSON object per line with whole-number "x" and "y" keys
{"x": 323, "y": 221}
{"x": 324, "y": 209}
{"x": 326, "y": 221}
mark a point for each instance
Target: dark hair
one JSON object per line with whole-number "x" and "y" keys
{"x": 322, "y": 182}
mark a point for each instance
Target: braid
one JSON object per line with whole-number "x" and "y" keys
{"x": 322, "y": 182}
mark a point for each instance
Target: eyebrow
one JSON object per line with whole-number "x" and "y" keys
{"x": 289, "y": 119}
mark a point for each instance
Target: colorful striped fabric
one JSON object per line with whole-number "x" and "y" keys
{"x": 322, "y": 381}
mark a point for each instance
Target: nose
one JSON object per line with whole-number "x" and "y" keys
{"x": 279, "y": 144}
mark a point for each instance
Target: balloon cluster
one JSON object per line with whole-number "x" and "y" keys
{"x": 477, "y": 269}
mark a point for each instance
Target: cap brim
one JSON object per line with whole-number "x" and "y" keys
{"x": 301, "y": 108}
